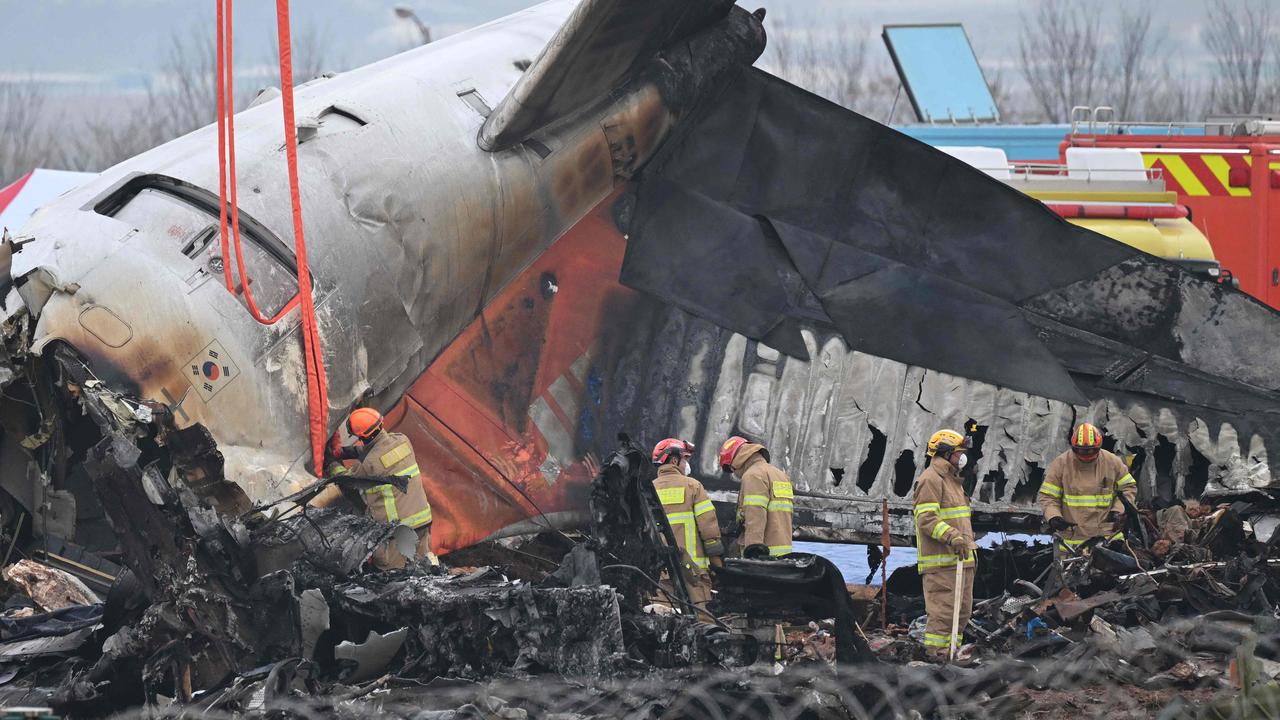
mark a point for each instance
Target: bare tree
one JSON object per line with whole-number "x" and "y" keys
{"x": 1062, "y": 55}
{"x": 1175, "y": 95}
{"x": 312, "y": 57}
{"x": 187, "y": 90}
{"x": 1134, "y": 73}
{"x": 1007, "y": 101}
{"x": 128, "y": 126}
{"x": 24, "y": 141}
{"x": 1239, "y": 37}
{"x": 827, "y": 57}
{"x": 182, "y": 99}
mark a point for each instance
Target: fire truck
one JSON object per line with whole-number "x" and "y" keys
{"x": 1225, "y": 172}
{"x": 1109, "y": 191}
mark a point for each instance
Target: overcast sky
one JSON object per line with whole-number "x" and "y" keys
{"x": 119, "y": 43}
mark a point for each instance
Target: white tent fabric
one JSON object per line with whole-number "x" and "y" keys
{"x": 35, "y": 189}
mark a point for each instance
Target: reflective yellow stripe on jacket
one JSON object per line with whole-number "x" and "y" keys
{"x": 418, "y": 519}
{"x": 685, "y": 522}
{"x": 391, "y": 457}
{"x": 387, "y": 492}
{"x": 1096, "y": 501}
{"x": 422, "y": 517}
{"x": 671, "y": 496}
{"x": 946, "y": 560}
{"x": 388, "y": 497}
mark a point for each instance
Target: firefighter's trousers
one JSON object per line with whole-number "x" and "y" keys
{"x": 939, "y": 603}
{"x": 699, "y": 582}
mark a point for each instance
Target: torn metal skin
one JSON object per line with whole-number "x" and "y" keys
{"x": 413, "y": 230}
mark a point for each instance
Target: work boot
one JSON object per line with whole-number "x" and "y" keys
{"x": 964, "y": 658}
{"x": 935, "y": 656}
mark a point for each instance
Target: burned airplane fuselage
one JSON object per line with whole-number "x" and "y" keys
{"x": 595, "y": 216}
{"x": 413, "y": 230}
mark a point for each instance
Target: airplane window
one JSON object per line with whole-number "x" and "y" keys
{"x": 187, "y": 217}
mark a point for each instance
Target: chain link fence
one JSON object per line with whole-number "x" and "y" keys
{"x": 1187, "y": 669}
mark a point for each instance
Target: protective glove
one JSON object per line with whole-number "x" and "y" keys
{"x": 1116, "y": 517}
{"x": 733, "y": 529}
{"x": 1058, "y": 524}
{"x": 961, "y": 545}
{"x": 717, "y": 562}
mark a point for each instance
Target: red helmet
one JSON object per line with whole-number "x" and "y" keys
{"x": 728, "y": 450}
{"x": 364, "y": 423}
{"x": 1086, "y": 441}
{"x": 671, "y": 448}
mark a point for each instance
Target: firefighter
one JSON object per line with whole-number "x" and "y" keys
{"x": 690, "y": 514}
{"x": 764, "y": 498}
{"x": 1080, "y": 495}
{"x": 382, "y": 453}
{"x": 944, "y": 537}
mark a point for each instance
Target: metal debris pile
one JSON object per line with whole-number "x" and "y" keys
{"x": 263, "y": 615}
{"x": 1180, "y": 565}
{"x": 1180, "y": 612}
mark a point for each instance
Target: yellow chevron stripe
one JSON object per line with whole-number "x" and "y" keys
{"x": 1177, "y": 168}
{"x": 1221, "y": 170}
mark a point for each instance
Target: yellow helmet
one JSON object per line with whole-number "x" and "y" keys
{"x": 946, "y": 441}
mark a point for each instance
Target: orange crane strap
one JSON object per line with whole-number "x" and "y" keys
{"x": 317, "y": 383}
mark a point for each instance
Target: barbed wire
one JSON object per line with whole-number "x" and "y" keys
{"x": 1089, "y": 679}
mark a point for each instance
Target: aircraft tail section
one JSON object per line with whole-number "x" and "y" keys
{"x": 789, "y": 209}
{"x": 601, "y": 46}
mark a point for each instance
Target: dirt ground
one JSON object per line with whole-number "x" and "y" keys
{"x": 1099, "y": 701}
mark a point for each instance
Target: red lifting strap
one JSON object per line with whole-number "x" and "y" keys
{"x": 317, "y": 390}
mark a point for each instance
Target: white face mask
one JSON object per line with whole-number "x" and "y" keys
{"x": 684, "y": 467}
{"x": 964, "y": 460}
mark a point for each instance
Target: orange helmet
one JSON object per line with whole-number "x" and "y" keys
{"x": 364, "y": 423}
{"x": 1086, "y": 441}
{"x": 728, "y": 450}
{"x": 671, "y": 448}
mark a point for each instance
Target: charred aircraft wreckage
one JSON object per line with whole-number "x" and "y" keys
{"x": 584, "y": 219}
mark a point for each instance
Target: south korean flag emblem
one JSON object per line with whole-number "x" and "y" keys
{"x": 211, "y": 370}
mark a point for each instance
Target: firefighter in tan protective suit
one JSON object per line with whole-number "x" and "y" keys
{"x": 690, "y": 514}
{"x": 381, "y": 453}
{"x": 764, "y": 499}
{"x": 1080, "y": 495}
{"x": 944, "y": 537}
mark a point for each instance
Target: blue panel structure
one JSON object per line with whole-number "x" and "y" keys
{"x": 940, "y": 73}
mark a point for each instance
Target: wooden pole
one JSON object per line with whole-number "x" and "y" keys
{"x": 955, "y": 606}
{"x": 884, "y": 564}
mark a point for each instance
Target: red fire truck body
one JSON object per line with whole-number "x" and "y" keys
{"x": 1230, "y": 183}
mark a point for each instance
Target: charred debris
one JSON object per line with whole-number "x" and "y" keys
{"x": 220, "y": 605}
{"x": 226, "y": 608}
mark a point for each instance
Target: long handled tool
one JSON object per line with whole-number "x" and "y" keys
{"x": 955, "y": 607}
